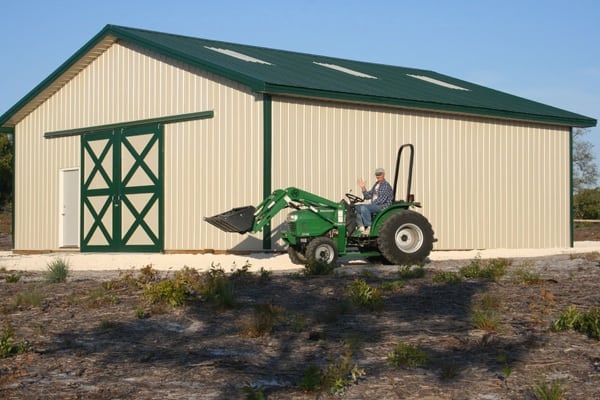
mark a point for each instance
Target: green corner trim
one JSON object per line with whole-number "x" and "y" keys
{"x": 571, "y": 199}
{"x": 7, "y": 129}
{"x": 151, "y": 121}
{"x": 267, "y": 163}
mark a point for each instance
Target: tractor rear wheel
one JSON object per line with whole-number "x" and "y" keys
{"x": 405, "y": 237}
{"x": 321, "y": 250}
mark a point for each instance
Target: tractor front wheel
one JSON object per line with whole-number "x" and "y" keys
{"x": 296, "y": 256}
{"x": 405, "y": 237}
{"x": 321, "y": 250}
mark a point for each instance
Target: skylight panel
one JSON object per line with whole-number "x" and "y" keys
{"x": 437, "y": 82}
{"x": 345, "y": 70}
{"x": 239, "y": 56}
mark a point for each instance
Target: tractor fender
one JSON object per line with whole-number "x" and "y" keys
{"x": 385, "y": 214}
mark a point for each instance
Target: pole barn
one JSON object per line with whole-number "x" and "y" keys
{"x": 138, "y": 136}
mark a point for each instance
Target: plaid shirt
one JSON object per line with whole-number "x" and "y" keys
{"x": 385, "y": 194}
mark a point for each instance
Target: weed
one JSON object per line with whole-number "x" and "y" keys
{"x": 12, "y": 278}
{"x": 8, "y": 342}
{"x": 264, "y": 275}
{"x": 490, "y": 302}
{"x": 548, "y": 391}
{"x": 106, "y": 325}
{"x": 265, "y": 317}
{"x": 406, "y": 355}
{"x": 57, "y": 270}
{"x": 312, "y": 378}
{"x": 217, "y": 287}
{"x": 175, "y": 291}
{"x": 297, "y": 322}
{"x": 407, "y": 272}
{"x": 363, "y": 295}
{"x": 447, "y": 277}
{"x": 100, "y": 297}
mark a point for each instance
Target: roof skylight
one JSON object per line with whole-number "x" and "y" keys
{"x": 437, "y": 82}
{"x": 239, "y": 56}
{"x": 345, "y": 70}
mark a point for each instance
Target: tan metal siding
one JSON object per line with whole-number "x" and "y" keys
{"x": 210, "y": 165}
{"x": 483, "y": 183}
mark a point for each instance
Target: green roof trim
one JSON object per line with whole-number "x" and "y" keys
{"x": 272, "y": 71}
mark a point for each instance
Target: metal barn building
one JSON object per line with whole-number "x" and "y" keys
{"x": 140, "y": 134}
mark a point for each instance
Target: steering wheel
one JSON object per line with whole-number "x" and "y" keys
{"x": 354, "y": 199}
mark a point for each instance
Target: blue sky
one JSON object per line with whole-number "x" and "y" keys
{"x": 546, "y": 51}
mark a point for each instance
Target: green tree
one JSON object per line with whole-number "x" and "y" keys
{"x": 6, "y": 168}
{"x": 585, "y": 170}
{"x": 586, "y": 204}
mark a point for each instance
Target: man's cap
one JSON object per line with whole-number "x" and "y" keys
{"x": 379, "y": 171}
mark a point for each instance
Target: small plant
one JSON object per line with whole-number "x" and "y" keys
{"x": 57, "y": 270}
{"x": 334, "y": 377}
{"x": 141, "y": 313}
{"x": 363, "y": 295}
{"x": 450, "y": 371}
{"x": 318, "y": 268}
{"x": 527, "y": 276}
{"x": 392, "y": 286}
{"x": 8, "y": 343}
{"x": 492, "y": 269}
{"x": 12, "y": 278}
{"x": 548, "y": 391}
{"x": 253, "y": 392}
{"x": 406, "y": 355}
{"x": 448, "y": 277}
{"x": 408, "y": 272}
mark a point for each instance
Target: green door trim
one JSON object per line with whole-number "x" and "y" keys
{"x": 171, "y": 119}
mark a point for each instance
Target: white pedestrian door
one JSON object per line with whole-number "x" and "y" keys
{"x": 69, "y": 208}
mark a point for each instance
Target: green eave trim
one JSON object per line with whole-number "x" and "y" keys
{"x": 151, "y": 121}
{"x": 430, "y": 106}
{"x": 7, "y": 129}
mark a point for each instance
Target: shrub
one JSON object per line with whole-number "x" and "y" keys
{"x": 573, "y": 319}
{"x": 363, "y": 295}
{"x": 334, "y": 377}
{"x": 57, "y": 270}
{"x": 264, "y": 319}
{"x": 406, "y": 355}
{"x": 492, "y": 269}
{"x": 586, "y": 204}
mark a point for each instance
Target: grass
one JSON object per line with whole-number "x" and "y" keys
{"x": 485, "y": 313}
{"x": 265, "y": 317}
{"x": 526, "y": 275}
{"x": 30, "y": 298}
{"x": 446, "y": 277}
{"x": 408, "y": 272}
{"x": 57, "y": 270}
{"x": 406, "y": 355}
{"x": 544, "y": 390}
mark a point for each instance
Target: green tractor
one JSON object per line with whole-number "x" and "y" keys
{"x": 321, "y": 230}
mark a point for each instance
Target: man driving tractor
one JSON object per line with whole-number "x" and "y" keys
{"x": 381, "y": 196}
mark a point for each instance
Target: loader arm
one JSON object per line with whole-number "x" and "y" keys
{"x": 250, "y": 219}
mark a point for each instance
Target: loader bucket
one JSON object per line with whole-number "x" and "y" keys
{"x": 240, "y": 219}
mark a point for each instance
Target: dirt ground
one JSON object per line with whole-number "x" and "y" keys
{"x": 88, "y": 339}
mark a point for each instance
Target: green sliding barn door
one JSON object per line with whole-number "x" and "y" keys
{"x": 122, "y": 195}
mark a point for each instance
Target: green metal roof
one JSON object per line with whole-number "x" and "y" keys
{"x": 274, "y": 71}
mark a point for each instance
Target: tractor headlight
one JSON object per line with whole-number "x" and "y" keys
{"x": 292, "y": 218}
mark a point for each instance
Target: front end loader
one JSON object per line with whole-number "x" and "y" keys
{"x": 320, "y": 230}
